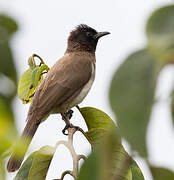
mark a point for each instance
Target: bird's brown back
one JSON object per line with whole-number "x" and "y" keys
{"x": 64, "y": 79}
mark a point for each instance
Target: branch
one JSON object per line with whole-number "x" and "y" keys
{"x": 76, "y": 158}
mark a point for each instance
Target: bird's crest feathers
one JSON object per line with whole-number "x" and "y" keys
{"x": 83, "y": 28}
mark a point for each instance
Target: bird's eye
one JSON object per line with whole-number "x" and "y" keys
{"x": 89, "y": 34}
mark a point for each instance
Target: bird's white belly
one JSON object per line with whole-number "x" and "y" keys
{"x": 84, "y": 91}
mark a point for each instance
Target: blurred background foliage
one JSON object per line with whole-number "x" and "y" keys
{"x": 131, "y": 95}
{"x": 134, "y": 84}
{"x": 8, "y": 84}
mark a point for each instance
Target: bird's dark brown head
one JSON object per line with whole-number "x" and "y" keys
{"x": 84, "y": 38}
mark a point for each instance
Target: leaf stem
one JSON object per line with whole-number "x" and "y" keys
{"x": 41, "y": 60}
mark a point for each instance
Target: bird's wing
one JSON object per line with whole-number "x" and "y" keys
{"x": 64, "y": 79}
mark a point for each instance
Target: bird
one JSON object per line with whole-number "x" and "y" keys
{"x": 65, "y": 86}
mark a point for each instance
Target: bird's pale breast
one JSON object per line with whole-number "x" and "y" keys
{"x": 83, "y": 93}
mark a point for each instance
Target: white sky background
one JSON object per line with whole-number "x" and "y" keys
{"x": 44, "y": 28}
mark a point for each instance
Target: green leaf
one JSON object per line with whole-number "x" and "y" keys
{"x": 91, "y": 169}
{"x": 95, "y": 135}
{"x": 31, "y": 62}
{"x": 37, "y": 74}
{"x": 108, "y": 153}
{"x": 30, "y": 80}
{"x": 8, "y": 23}
{"x": 8, "y": 132}
{"x": 159, "y": 173}
{"x": 2, "y": 170}
{"x": 25, "y": 168}
{"x": 132, "y": 96}
{"x": 108, "y": 160}
{"x": 36, "y": 165}
{"x": 41, "y": 163}
{"x": 7, "y": 66}
{"x": 7, "y": 27}
{"x": 96, "y": 118}
{"x": 160, "y": 33}
{"x": 34, "y": 77}
{"x": 28, "y": 83}
{"x": 98, "y": 123}
{"x": 136, "y": 172}
{"x": 25, "y": 87}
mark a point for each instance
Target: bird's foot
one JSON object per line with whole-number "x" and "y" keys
{"x": 69, "y": 126}
{"x": 68, "y": 115}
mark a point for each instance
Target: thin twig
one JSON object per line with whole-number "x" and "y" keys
{"x": 81, "y": 157}
{"x": 65, "y": 173}
{"x": 65, "y": 143}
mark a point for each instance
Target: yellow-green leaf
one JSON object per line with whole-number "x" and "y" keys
{"x": 37, "y": 74}
{"x": 136, "y": 172}
{"x": 2, "y": 169}
{"x": 41, "y": 163}
{"x": 36, "y": 165}
{"x": 25, "y": 168}
{"x": 31, "y": 62}
{"x": 8, "y": 132}
{"x": 25, "y": 86}
{"x": 30, "y": 80}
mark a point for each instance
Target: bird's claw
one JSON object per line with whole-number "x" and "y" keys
{"x": 69, "y": 126}
{"x": 68, "y": 115}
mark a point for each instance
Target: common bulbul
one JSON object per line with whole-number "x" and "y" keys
{"x": 65, "y": 86}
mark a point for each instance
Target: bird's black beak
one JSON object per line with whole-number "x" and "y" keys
{"x": 101, "y": 34}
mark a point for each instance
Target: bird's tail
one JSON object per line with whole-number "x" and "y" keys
{"x": 21, "y": 146}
